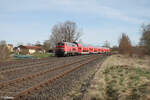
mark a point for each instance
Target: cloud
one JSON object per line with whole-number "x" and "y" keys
{"x": 81, "y": 7}
{"x": 97, "y": 17}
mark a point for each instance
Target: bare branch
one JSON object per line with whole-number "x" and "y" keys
{"x": 66, "y": 31}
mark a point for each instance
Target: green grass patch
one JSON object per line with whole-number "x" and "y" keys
{"x": 132, "y": 83}
{"x": 42, "y": 55}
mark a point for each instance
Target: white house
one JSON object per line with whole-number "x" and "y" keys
{"x": 30, "y": 49}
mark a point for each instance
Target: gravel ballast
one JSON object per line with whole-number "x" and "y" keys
{"x": 70, "y": 87}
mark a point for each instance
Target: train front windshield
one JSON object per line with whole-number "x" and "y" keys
{"x": 60, "y": 44}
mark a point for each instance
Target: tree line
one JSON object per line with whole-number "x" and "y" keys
{"x": 68, "y": 31}
{"x": 143, "y": 47}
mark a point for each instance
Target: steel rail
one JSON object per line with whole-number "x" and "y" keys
{"x": 25, "y": 67}
{"x": 4, "y": 84}
{"x": 2, "y": 68}
{"x": 36, "y": 88}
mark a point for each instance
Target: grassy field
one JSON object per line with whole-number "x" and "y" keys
{"x": 39, "y": 55}
{"x": 19, "y": 57}
{"x": 121, "y": 78}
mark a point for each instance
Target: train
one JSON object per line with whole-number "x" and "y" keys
{"x": 74, "y": 48}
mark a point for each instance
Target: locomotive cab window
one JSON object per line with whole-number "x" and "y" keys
{"x": 60, "y": 44}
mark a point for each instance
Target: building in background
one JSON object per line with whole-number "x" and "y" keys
{"x": 10, "y": 47}
{"x": 30, "y": 49}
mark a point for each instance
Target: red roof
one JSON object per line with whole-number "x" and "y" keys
{"x": 31, "y": 47}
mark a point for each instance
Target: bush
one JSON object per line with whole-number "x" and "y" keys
{"x": 125, "y": 46}
{"x": 4, "y": 51}
{"x": 145, "y": 39}
{"x": 139, "y": 51}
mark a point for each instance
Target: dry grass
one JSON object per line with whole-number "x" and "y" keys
{"x": 121, "y": 78}
{"x": 4, "y": 52}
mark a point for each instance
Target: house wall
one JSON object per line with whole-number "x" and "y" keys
{"x": 31, "y": 51}
{"x": 24, "y": 51}
{"x": 10, "y": 48}
{"x": 41, "y": 51}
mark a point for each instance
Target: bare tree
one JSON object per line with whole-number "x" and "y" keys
{"x": 38, "y": 43}
{"x": 145, "y": 39}
{"x": 46, "y": 45}
{"x": 67, "y": 31}
{"x": 125, "y": 46}
{"x": 56, "y": 35}
{"x": 4, "y": 51}
{"x": 29, "y": 44}
{"x": 106, "y": 44}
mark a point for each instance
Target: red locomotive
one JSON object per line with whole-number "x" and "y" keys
{"x": 66, "y": 48}
{"x": 71, "y": 49}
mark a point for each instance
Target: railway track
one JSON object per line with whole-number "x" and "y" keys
{"x": 18, "y": 88}
{"x": 19, "y": 72}
{"x": 4, "y": 84}
{"x": 14, "y": 62}
{"x": 4, "y": 65}
{"x": 27, "y": 63}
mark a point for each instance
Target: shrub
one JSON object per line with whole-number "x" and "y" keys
{"x": 139, "y": 51}
{"x": 125, "y": 46}
{"x": 4, "y": 51}
{"x": 145, "y": 39}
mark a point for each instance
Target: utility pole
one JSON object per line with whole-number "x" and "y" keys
{"x": 106, "y": 44}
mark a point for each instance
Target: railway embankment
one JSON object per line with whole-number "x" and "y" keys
{"x": 71, "y": 86}
{"x": 48, "y": 79}
{"x": 89, "y": 77}
{"x": 121, "y": 78}
{"x": 82, "y": 79}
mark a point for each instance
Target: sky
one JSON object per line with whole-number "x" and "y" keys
{"x": 28, "y": 21}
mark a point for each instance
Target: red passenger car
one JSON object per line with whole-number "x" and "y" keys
{"x": 85, "y": 50}
{"x": 104, "y": 50}
{"x": 100, "y": 50}
{"x": 95, "y": 51}
{"x": 91, "y": 49}
{"x": 80, "y": 48}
